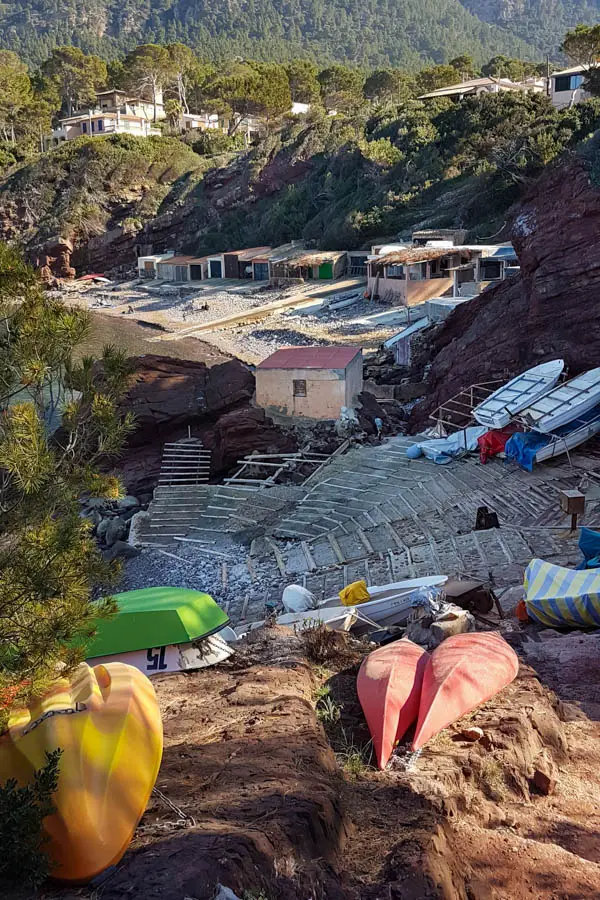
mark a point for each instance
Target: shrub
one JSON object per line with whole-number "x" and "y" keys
{"x": 24, "y": 862}
{"x": 213, "y": 143}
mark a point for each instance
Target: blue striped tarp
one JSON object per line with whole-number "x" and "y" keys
{"x": 562, "y": 598}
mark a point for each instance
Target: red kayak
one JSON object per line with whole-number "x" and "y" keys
{"x": 462, "y": 673}
{"x": 389, "y": 687}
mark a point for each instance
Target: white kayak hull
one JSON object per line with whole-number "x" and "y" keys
{"x": 497, "y": 410}
{"x": 337, "y": 618}
{"x": 172, "y": 658}
{"x": 564, "y": 403}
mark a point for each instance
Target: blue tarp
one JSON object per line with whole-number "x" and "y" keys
{"x": 444, "y": 450}
{"x": 589, "y": 544}
{"x": 523, "y": 446}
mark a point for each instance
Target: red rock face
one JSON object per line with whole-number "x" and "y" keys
{"x": 168, "y": 396}
{"x": 551, "y": 310}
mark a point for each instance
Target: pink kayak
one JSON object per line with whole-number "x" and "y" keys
{"x": 461, "y": 674}
{"x": 389, "y": 687}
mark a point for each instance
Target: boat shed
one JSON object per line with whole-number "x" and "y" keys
{"x": 183, "y": 268}
{"x": 310, "y": 382}
{"x": 251, "y": 263}
{"x": 147, "y": 265}
{"x": 309, "y": 265}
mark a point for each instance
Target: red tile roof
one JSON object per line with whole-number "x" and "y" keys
{"x": 311, "y": 358}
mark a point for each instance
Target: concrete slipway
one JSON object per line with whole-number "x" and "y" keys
{"x": 370, "y": 513}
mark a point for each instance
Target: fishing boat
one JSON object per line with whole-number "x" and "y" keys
{"x": 461, "y": 674}
{"x": 161, "y": 630}
{"x": 390, "y": 603}
{"x": 497, "y": 410}
{"x": 389, "y": 688}
{"x": 564, "y": 403}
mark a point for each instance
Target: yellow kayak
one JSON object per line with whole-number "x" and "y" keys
{"x": 107, "y": 722}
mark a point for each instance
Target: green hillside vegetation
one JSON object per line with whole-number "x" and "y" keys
{"x": 376, "y": 32}
{"x": 337, "y": 181}
{"x": 539, "y": 22}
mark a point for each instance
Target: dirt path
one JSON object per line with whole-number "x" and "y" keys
{"x": 257, "y": 796}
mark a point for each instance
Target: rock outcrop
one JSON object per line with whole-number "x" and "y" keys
{"x": 169, "y": 396}
{"x": 166, "y": 393}
{"x": 547, "y": 312}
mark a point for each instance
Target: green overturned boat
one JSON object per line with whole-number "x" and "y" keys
{"x": 162, "y": 629}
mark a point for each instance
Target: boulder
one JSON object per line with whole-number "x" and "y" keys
{"x": 127, "y": 503}
{"x": 121, "y": 550}
{"x": 103, "y": 527}
{"x": 240, "y": 432}
{"x": 166, "y": 393}
{"x": 116, "y": 530}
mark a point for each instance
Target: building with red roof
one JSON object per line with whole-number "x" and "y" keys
{"x": 310, "y": 382}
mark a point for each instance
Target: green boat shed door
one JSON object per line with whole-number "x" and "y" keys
{"x": 326, "y": 271}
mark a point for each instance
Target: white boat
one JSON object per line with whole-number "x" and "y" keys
{"x": 390, "y": 603}
{"x": 564, "y": 403}
{"x": 174, "y": 657}
{"x": 571, "y": 436}
{"x": 497, "y": 410}
{"x": 337, "y": 618}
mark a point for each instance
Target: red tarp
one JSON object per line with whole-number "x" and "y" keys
{"x": 494, "y": 441}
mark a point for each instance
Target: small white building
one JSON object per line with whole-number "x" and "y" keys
{"x": 202, "y": 121}
{"x": 310, "y": 382}
{"x": 566, "y": 87}
{"x": 486, "y": 85}
{"x": 148, "y": 265}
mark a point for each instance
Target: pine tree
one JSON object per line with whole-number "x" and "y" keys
{"x": 49, "y": 563}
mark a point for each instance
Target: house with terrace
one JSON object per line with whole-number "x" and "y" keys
{"x": 114, "y": 112}
{"x": 409, "y": 276}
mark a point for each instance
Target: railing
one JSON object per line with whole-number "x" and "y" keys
{"x": 457, "y": 412}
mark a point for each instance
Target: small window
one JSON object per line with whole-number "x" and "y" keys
{"x": 567, "y": 83}
{"x": 299, "y": 388}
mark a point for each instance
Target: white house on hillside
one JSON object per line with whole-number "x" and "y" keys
{"x": 114, "y": 112}
{"x": 487, "y": 85}
{"x": 566, "y": 87}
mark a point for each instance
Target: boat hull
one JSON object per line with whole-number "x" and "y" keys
{"x": 497, "y": 410}
{"x": 111, "y": 744}
{"x": 173, "y": 657}
{"x": 565, "y": 403}
{"x": 390, "y": 603}
{"x": 389, "y": 687}
{"x": 461, "y": 674}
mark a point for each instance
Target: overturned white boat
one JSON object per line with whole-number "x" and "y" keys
{"x": 337, "y": 618}
{"x": 564, "y": 403}
{"x": 497, "y": 410}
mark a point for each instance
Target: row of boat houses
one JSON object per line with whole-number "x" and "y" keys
{"x": 432, "y": 264}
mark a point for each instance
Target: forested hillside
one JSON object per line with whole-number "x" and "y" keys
{"x": 540, "y": 22}
{"x": 366, "y": 32}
